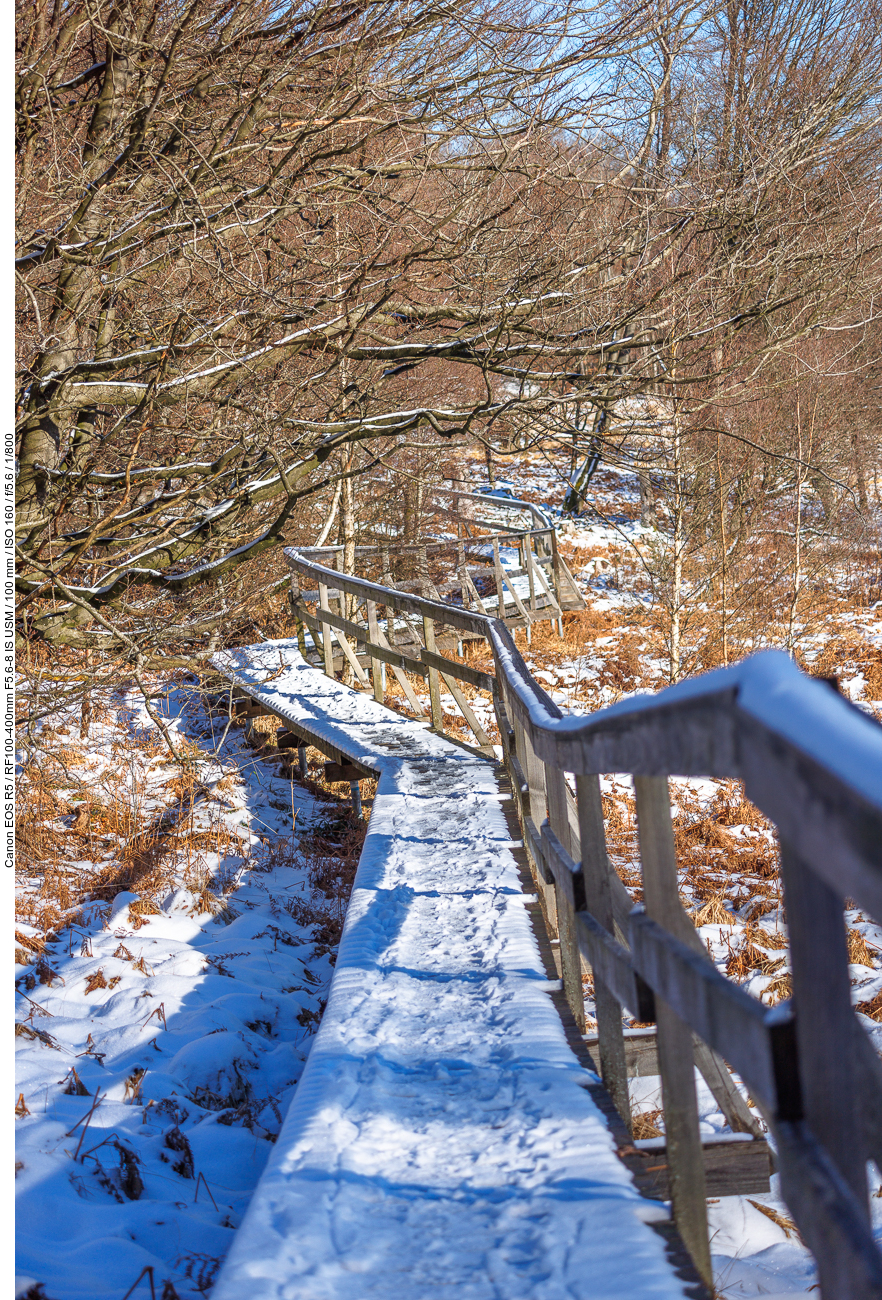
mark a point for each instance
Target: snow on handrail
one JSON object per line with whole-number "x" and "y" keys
{"x": 762, "y": 721}
{"x": 809, "y": 759}
{"x": 812, "y": 762}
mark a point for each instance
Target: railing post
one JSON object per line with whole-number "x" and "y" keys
{"x": 534, "y": 774}
{"x": 825, "y": 1036}
{"x": 555, "y": 579}
{"x": 570, "y": 957}
{"x": 434, "y": 684}
{"x": 327, "y": 645}
{"x": 682, "y": 1134}
{"x": 497, "y": 572}
{"x": 463, "y": 582}
{"x": 596, "y": 870}
{"x": 522, "y": 556}
{"x": 376, "y": 666}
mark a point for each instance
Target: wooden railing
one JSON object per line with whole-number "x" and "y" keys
{"x": 812, "y": 763}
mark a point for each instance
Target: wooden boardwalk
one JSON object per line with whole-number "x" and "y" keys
{"x": 442, "y": 1141}
{"x": 437, "y": 903}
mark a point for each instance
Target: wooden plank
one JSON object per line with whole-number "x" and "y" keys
{"x": 533, "y": 774}
{"x": 473, "y": 590}
{"x": 288, "y": 740}
{"x": 596, "y": 873}
{"x": 297, "y": 731}
{"x": 462, "y": 672}
{"x": 712, "y": 1068}
{"x": 685, "y": 1162}
{"x": 534, "y": 771}
{"x": 731, "y": 1168}
{"x": 822, "y": 1000}
{"x": 508, "y": 577}
{"x": 345, "y": 625}
{"x": 246, "y": 709}
{"x": 342, "y": 772}
{"x": 395, "y": 659}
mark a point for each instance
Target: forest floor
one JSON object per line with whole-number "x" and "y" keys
{"x": 205, "y": 897}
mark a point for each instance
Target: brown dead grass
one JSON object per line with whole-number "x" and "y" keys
{"x": 872, "y": 1008}
{"x": 713, "y": 912}
{"x": 647, "y": 1125}
{"x": 859, "y": 951}
{"x": 96, "y": 980}
{"x": 747, "y": 960}
{"x": 62, "y": 842}
{"x": 848, "y": 655}
{"x": 787, "y": 1226}
{"x": 330, "y": 852}
{"x": 779, "y": 990}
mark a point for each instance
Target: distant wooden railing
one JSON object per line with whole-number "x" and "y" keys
{"x": 812, "y": 763}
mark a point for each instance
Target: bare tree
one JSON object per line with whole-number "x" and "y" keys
{"x": 262, "y": 246}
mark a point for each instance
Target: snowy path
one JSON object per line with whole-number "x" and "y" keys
{"x": 441, "y": 1142}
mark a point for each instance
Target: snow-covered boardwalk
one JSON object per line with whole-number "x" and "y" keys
{"x": 441, "y": 1141}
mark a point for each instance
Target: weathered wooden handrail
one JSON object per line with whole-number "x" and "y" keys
{"x": 812, "y": 763}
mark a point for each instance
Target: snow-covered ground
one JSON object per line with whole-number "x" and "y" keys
{"x": 157, "y": 1053}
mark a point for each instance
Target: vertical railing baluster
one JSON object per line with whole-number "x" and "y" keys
{"x": 523, "y": 543}
{"x": 570, "y": 957}
{"x": 327, "y": 645}
{"x": 824, "y": 1031}
{"x": 497, "y": 573}
{"x": 528, "y": 565}
{"x": 434, "y": 683}
{"x": 555, "y": 579}
{"x": 534, "y": 772}
{"x": 376, "y": 666}
{"x": 682, "y": 1134}
{"x": 460, "y": 569}
{"x": 596, "y": 871}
